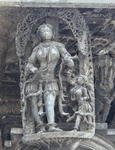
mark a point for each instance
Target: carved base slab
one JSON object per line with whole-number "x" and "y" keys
{"x": 76, "y": 134}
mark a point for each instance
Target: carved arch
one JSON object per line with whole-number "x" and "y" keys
{"x": 76, "y": 24}
{"x": 71, "y": 17}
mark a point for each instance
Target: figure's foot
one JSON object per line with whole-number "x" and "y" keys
{"x": 40, "y": 131}
{"x": 54, "y": 129}
{"x": 41, "y": 128}
{"x": 75, "y": 129}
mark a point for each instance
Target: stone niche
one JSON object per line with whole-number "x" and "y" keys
{"x": 73, "y": 72}
{"x": 88, "y": 37}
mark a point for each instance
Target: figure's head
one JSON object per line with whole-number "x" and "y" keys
{"x": 46, "y": 31}
{"x": 82, "y": 79}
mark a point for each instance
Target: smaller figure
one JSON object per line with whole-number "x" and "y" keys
{"x": 84, "y": 110}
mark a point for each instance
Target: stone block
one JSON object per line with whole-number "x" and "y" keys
{"x": 59, "y": 3}
{"x": 101, "y": 126}
{"x": 111, "y": 132}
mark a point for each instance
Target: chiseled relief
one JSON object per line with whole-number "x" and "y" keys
{"x": 56, "y": 82}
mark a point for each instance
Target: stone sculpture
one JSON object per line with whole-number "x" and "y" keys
{"x": 84, "y": 108}
{"x": 41, "y": 84}
{"x": 49, "y": 72}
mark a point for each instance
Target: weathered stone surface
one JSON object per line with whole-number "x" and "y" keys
{"x": 64, "y": 134}
{"x": 98, "y": 142}
{"x": 16, "y": 131}
{"x": 111, "y": 132}
{"x": 59, "y": 3}
{"x": 9, "y": 3}
{"x": 7, "y": 144}
{"x": 101, "y": 126}
{"x": 1, "y": 144}
{"x": 101, "y": 43}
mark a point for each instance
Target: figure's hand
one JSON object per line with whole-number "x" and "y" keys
{"x": 34, "y": 70}
{"x": 81, "y": 100}
{"x": 70, "y": 63}
{"x": 75, "y": 57}
{"x": 69, "y": 72}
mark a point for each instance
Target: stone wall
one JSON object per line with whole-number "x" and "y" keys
{"x": 102, "y": 26}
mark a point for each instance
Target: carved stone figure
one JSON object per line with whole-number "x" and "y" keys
{"x": 45, "y": 85}
{"x": 84, "y": 109}
{"x": 41, "y": 86}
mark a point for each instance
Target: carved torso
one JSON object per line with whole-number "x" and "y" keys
{"x": 47, "y": 55}
{"x": 47, "y": 52}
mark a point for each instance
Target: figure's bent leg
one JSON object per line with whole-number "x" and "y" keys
{"x": 77, "y": 122}
{"x": 90, "y": 122}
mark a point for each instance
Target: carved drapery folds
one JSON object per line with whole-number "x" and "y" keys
{"x": 71, "y": 82}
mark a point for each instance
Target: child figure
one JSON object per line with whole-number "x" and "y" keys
{"x": 84, "y": 110}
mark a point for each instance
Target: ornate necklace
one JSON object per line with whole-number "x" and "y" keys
{"x": 48, "y": 47}
{"x": 46, "y": 44}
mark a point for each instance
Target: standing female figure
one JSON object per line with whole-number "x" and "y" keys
{"x": 42, "y": 64}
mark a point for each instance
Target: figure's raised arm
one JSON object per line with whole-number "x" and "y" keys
{"x": 65, "y": 55}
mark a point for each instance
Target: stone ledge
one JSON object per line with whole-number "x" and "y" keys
{"x": 111, "y": 132}
{"x": 59, "y": 3}
{"x": 101, "y": 126}
{"x": 64, "y": 134}
{"x": 10, "y": 3}
{"x": 72, "y": 133}
{"x": 16, "y": 131}
{"x": 7, "y": 144}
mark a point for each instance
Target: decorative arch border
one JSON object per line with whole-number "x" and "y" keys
{"x": 74, "y": 20}
{"x": 76, "y": 23}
